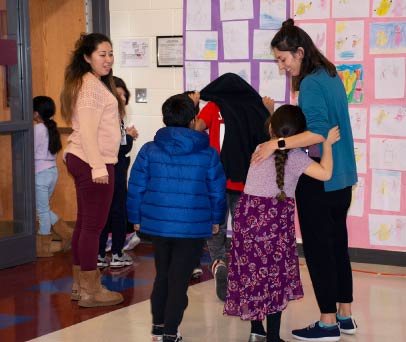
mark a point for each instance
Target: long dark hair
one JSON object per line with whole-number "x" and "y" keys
{"x": 77, "y": 67}
{"x": 121, "y": 84}
{"x": 45, "y": 107}
{"x": 286, "y": 121}
{"x": 290, "y": 38}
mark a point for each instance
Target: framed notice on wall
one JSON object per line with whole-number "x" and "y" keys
{"x": 169, "y": 51}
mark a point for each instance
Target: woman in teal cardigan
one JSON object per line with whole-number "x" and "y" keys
{"x": 322, "y": 206}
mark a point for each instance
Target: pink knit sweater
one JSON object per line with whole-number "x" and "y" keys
{"x": 96, "y": 126}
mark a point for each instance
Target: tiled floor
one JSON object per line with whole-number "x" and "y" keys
{"x": 35, "y": 305}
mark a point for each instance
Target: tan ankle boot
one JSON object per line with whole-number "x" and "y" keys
{"x": 62, "y": 229}
{"x": 93, "y": 294}
{"x": 44, "y": 246}
{"x": 76, "y": 283}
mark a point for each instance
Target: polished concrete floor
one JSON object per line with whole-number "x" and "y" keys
{"x": 35, "y": 305}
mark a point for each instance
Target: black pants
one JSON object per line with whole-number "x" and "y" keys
{"x": 322, "y": 218}
{"x": 175, "y": 259}
{"x": 117, "y": 219}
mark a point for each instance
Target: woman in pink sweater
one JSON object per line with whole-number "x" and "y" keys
{"x": 89, "y": 101}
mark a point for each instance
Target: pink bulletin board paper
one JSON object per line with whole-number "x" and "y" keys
{"x": 368, "y": 227}
{"x": 362, "y": 230}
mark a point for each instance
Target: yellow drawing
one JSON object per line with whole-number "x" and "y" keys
{"x": 340, "y": 27}
{"x": 358, "y": 155}
{"x": 382, "y": 115}
{"x": 381, "y": 38}
{"x": 383, "y": 7}
{"x": 340, "y": 44}
{"x": 348, "y": 80}
{"x": 384, "y": 188}
{"x": 383, "y": 233}
{"x": 302, "y": 7}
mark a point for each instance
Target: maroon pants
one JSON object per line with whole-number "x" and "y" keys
{"x": 93, "y": 201}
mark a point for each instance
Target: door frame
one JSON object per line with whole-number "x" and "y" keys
{"x": 20, "y": 248}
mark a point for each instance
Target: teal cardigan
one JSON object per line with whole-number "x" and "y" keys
{"x": 324, "y": 103}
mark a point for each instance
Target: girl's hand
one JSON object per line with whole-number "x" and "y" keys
{"x": 333, "y": 135}
{"x": 215, "y": 229}
{"x": 269, "y": 104}
{"x": 101, "y": 180}
{"x": 132, "y": 131}
{"x": 136, "y": 227}
{"x": 262, "y": 152}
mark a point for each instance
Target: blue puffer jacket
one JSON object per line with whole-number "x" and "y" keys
{"x": 177, "y": 185}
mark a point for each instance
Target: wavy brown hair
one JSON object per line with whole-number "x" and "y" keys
{"x": 77, "y": 67}
{"x": 286, "y": 121}
{"x": 291, "y": 38}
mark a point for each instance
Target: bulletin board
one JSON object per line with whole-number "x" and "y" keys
{"x": 366, "y": 40}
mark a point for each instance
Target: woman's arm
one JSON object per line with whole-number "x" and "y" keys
{"x": 266, "y": 149}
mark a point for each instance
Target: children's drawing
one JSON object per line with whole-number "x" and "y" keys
{"x": 201, "y": 45}
{"x": 198, "y": 15}
{"x": 388, "y": 120}
{"x": 389, "y": 8}
{"x": 262, "y": 44}
{"x": 387, "y": 230}
{"x": 272, "y": 14}
{"x": 272, "y": 81}
{"x": 242, "y": 69}
{"x": 390, "y": 78}
{"x": 197, "y": 75}
{"x": 349, "y": 41}
{"x": 358, "y": 118}
{"x": 360, "y": 151}
{"x": 235, "y": 39}
{"x": 387, "y": 154}
{"x": 311, "y": 9}
{"x": 357, "y": 201}
{"x": 386, "y": 186}
{"x": 352, "y": 77}
{"x": 387, "y": 37}
{"x": 350, "y": 8}
{"x": 317, "y": 32}
{"x": 236, "y": 9}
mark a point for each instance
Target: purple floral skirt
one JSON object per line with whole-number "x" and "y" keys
{"x": 263, "y": 273}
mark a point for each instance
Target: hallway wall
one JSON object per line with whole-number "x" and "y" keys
{"x": 146, "y": 19}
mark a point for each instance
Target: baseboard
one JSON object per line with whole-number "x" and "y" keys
{"x": 372, "y": 256}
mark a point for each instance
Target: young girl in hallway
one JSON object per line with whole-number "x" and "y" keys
{"x": 47, "y": 143}
{"x": 264, "y": 270}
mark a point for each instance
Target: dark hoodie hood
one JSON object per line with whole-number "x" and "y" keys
{"x": 180, "y": 140}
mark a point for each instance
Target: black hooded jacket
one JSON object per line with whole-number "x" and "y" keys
{"x": 244, "y": 117}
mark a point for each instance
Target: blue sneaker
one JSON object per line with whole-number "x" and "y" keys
{"x": 315, "y": 332}
{"x": 347, "y": 325}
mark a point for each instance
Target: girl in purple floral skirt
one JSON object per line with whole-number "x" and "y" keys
{"x": 263, "y": 273}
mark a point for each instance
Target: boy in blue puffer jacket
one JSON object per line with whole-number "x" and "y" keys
{"x": 176, "y": 195}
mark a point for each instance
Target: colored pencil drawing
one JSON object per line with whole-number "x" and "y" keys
{"x": 352, "y": 77}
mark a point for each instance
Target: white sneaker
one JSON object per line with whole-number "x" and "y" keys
{"x": 108, "y": 244}
{"x": 197, "y": 272}
{"x": 121, "y": 261}
{"x": 102, "y": 261}
{"x": 131, "y": 241}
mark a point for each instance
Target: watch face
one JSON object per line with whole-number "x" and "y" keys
{"x": 281, "y": 143}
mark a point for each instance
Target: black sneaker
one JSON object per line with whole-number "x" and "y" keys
{"x": 347, "y": 325}
{"x": 178, "y": 338}
{"x": 315, "y": 332}
{"x": 157, "y": 333}
{"x": 219, "y": 270}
